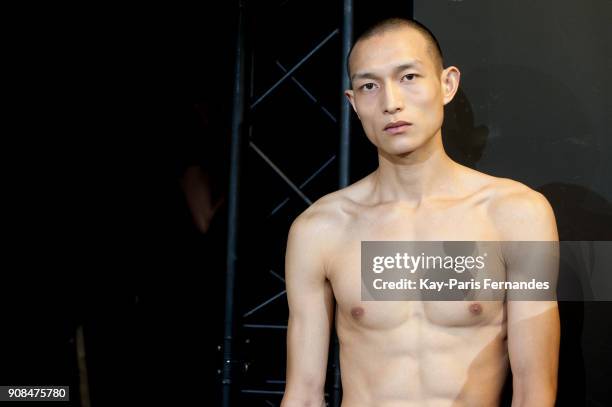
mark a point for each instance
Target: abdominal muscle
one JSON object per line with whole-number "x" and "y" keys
{"x": 420, "y": 363}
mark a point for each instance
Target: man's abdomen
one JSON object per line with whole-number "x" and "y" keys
{"x": 420, "y": 363}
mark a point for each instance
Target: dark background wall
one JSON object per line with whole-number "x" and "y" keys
{"x": 534, "y": 76}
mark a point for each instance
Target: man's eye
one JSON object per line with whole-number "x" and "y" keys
{"x": 368, "y": 86}
{"x": 410, "y": 76}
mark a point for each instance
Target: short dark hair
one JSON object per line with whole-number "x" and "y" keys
{"x": 388, "y": 24}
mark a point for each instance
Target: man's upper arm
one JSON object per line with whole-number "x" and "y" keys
{"x": 310, "y": 312}
{"x": 533, "y": 326}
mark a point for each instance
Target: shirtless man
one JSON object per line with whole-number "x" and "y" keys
{"x": 413, "y": 353}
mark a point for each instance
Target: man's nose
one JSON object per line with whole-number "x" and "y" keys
{"x": 393, "y": 100}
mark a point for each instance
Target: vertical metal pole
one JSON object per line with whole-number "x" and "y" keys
{"x": 82, "y": 366}
{"x": 347, "y": 38}
{"x": 344, "y": 163}
{"x": 232, "y": 222}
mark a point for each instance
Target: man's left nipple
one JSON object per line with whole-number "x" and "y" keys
{"x": 475, "y": 309}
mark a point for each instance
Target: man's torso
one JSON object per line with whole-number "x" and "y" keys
{"x": 405, "y": 353}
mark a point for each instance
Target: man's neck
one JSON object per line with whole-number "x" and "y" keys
{"x": 417, "y": 176}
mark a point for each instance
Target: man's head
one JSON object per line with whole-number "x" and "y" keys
{"x": 397, "y": 75}
{"x": 433, "y": 47}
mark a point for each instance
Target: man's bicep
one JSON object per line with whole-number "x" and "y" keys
{"x": 533, "y": 347}
{"x": 310, "y": 311}
{"x": 533, "y": 317}
{"x": 533, "y": 321}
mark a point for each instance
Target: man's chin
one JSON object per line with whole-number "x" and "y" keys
{"x": 397, "y": 152}
{"x": 402, "y": 147}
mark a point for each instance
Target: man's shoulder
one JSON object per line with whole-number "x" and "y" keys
{"x": 519, "y": 212}
{"x": 322, "y": 217}
{"x": 318, "y": 230}
{"x": 510, "y": 197}
{"x": 329, "y": 215}
{"x": 503, "y": 194}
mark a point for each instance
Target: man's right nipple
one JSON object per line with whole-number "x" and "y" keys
{"x": 357, "y": 312}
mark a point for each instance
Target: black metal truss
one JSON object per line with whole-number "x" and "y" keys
{"x": 239, "y": 132}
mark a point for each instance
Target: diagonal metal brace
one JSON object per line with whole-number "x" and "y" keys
{"x": 295, "y": 67}
{"x": 309, "y": 94}
{"x": 280, "y": 173}
{"x": 303, "y": 184}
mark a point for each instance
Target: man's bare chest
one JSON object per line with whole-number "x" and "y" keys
{"x": 344, "y": 268}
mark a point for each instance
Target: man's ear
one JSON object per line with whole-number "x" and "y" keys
{"x": 350, "y": 95}
{"x": 450, "y": 83}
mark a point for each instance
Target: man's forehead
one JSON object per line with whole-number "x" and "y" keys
{"x": 393, "y": 47}
{"x": 371, "y": 70}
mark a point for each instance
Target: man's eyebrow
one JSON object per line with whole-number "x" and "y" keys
{"x": 369, "y": 75}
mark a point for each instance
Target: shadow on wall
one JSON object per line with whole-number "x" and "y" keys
{"x": 525, "y": 124}
{"x": 464, "y": 140}
{"x": 586, "y": 329}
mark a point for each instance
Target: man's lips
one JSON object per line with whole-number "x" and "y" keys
{"x": 397, "y": 127}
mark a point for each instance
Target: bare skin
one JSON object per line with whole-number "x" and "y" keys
{"x": 411, "y": 353}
